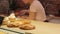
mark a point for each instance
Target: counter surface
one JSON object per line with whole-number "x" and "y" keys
{"x": 41, "y": 28}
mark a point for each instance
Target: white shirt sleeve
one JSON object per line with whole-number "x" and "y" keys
{"x": 36, "y": 6}
{"x": 33, "y": 7}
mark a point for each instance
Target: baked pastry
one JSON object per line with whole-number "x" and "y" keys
{"x": 27, "y": 27}
{"x": 12, "y": 25}
{"x": 26, "y": 21}
{"x": 6, "y": 19}
{"x": 3, "y": 33}
{"x": 5, "y": 22}
{"x": 12, "y": 17}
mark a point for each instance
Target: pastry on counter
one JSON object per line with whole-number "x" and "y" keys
{"x": 27, "y": 27}
{"x": 17, "y": 23}
{"x": 26, "y": 21}
{"x": 5, "y": 21}
{"x": 2, "y": 32}
{"x": 12, "y": 17}
{"x": 12, "y": 21}
{"x": 12, "y": 26}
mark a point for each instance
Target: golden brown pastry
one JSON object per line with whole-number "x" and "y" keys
{"x": 12, "y": 25}
{"x": 12, "y": 19}
{"x": 27, "y": 27}
{"x": 5, "y": 20}
{"x": 3, "y": 33}
{"x": 25, "y": 21}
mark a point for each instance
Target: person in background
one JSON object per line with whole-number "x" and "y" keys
{"x": 37, "y": 11}
{"x": 21, "y": 9}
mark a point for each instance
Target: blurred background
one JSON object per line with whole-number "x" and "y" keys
{"x": 52, "y": 7}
